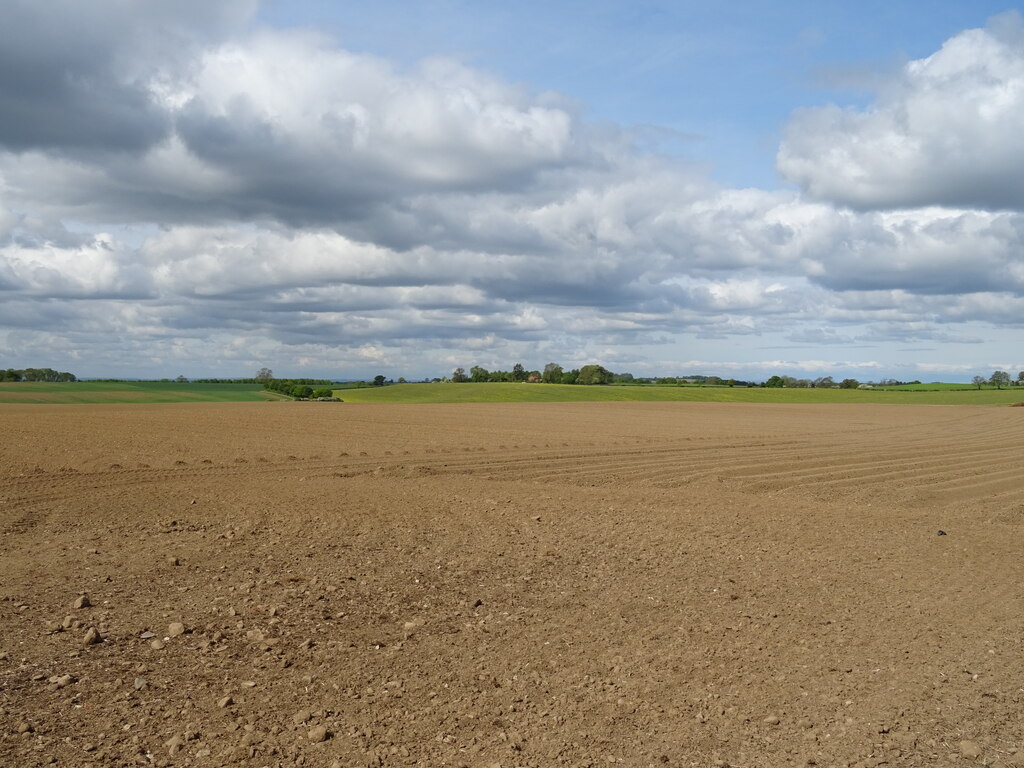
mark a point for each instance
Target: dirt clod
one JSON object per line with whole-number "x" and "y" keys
{"x": 317, "y": 734}
{"x": 92, "y": 636}
{"x": 971, "y": 750}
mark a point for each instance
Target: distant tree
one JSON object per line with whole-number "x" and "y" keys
{"x": 570, "y": 377}
{"x": 1020, "y": 378}
{"x": 301, "y": 391}
{"x": 181, "y": 379}
{"x": 775, "y": 381}
{"x": 593, "y": 374}
{"x": 519, "y": 373}
{"x": 323, "y": 392}
{"x": 552, "y": 373}
{"x": 478, "y": 374}
{"x": 824, "y": 382}
{"x": 264, "y": 375}
{"x": 1000, "y": 379}
{"x": 622, "y": 378}
{"x": 459, "y": 376}
{"x": 978, "y": 381}
{"x": 401, "y": 380}
{"x": 378, "y": 380}
{"x": 714, "y": 380}
{"x": 849, "y": 384}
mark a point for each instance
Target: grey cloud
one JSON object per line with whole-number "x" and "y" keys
{"x": 926, "y": 252}
{"x": 74, "y": 76}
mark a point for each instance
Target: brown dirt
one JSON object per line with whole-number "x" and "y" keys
{"x": 516, "y": 585}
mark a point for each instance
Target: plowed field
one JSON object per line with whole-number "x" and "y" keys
{"x": 585, "y": 584}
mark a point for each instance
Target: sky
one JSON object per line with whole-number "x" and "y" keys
{"x": 344, "y": 189}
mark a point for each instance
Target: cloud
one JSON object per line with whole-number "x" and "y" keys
{"x": 266, "y": 124}
{"x": 75, "y": 77}
{"x": 945, "y": 132}
{"x": 232, "y": 195}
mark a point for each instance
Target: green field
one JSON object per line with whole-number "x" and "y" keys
{"x": 566, "y": 393}
{"x": 932, "y": 386}
{"x": 132, "y": 392}
{"x": 173, "y": 392}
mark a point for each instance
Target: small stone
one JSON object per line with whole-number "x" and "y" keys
{"x": 53, "y": 627}
{"x": 301, "y": 717}
{"x": 62, "y": 681}
{"x": 248, "y": 683}
{"x": 157, "y": 645}
{"x": 174, "y": 744}
{"x": 317, "y": 734}
{"x": 147, "y": 635}
{"x": 68, "y": 622}
{"x": 176, "y": 629}
{"x": 82, "y": 602}
{"x": 25, "y": 728}
{"x": 803, "y": 722}
{"x": 139, "y": 683}
{"x": 89, "y": 748}
{"x": 970, "y": 749}
{"x": 227, "y": 701}
{"x": 771, "y": 720}
{"x": 92, "y": 636}
{"x": 173, "y": 561}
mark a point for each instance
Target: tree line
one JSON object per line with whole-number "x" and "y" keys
{"x": 553, "y": 373}
{"x": 998, "y": 379}
{"x": 300, "y": 389}
{"x": 36, "y": 374}
{"x": 823, "y": 382}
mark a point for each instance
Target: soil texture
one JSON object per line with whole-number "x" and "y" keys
{"x": 582, "y": 584}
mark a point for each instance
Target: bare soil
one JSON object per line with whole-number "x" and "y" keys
{"x": 636, "y": 584}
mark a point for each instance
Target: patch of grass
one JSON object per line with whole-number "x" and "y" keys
{"x": 565, "y": 393}
{"x": 932, "y": 386}
{"x": 131, "y": 392}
